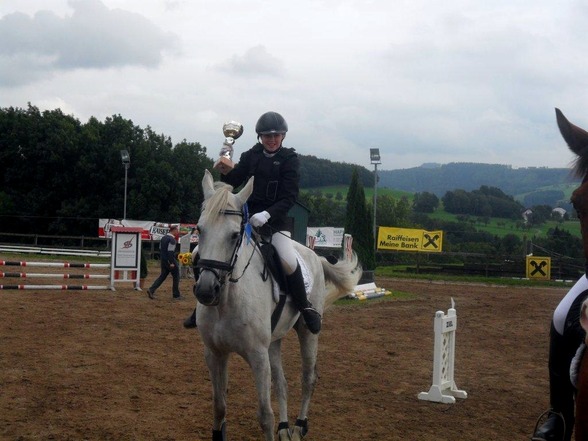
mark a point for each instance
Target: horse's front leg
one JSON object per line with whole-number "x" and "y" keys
{"x": 217, "y": 366}
{"x": 260, "y": 365}
{"x": 280, "y": 388}
{"x": 308, "y": 352}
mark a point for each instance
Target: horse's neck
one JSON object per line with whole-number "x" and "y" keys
{"x": 250, "y": 284}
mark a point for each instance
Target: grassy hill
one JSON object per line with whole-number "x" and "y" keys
{"x": 501, "y": 227}
{"x": 470, "y": 176}
{"x": 369, "y": 192}
{"x": 496, "y": 226}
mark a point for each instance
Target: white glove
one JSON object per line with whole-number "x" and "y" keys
{"x": 259, "y": 219}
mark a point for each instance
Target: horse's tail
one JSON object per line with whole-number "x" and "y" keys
{"x": 341, "y": 278}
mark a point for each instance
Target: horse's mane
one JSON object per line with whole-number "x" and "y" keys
{"x": 219, "y": 201}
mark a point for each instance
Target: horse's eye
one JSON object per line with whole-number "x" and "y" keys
{"x": 235, "y": 236}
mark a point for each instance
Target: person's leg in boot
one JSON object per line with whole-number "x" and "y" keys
{"x": 298, "y": 292}
{"x": 190, "y": 322}
{"x": 295, "y": 282}
{"x": 560, "y": 423}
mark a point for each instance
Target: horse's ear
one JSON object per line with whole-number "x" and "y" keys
{"x": 245, "y": 192}
{"x": 575, "y": 137}
{"x": 207, "y": 184}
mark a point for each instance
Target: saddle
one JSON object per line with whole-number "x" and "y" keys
{"x": 273, "y": 265}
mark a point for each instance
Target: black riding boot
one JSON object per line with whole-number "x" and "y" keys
{"x": 560, "y": 422}
{"x": 298, "y": 293}
{"x": 190, "y": 322}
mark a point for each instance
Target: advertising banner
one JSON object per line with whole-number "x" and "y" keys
{"x": 409, "y": 239}
{"x": 126, "y": 250}
{"x": 538, "y": 267}
{"x": 151, "y": 230}
{"x": 326, "y": 237}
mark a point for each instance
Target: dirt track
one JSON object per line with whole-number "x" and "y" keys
{"x": 118, "y": 366}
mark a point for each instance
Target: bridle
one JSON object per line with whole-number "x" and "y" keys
{"x": 218, "y": 267}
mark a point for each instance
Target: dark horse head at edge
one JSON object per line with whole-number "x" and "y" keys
{"x": 577, "y": 140}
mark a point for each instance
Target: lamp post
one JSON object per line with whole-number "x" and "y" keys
{"x": 375, "y": 160}
{"x": 126, "y": 160}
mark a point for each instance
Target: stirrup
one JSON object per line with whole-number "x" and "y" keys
{"x": 312, "y": 318}
{"x": 312, "y": 309}
{"x": 543, "y": 418}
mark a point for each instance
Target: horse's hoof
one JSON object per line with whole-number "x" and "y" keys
{"x": 284, "y": 435}
{"x": 297, "y": 434}
{"x": 220, "y": 435}
{"x": 300, "y": 430}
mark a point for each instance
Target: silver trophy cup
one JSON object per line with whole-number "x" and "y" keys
{"x": 232, "y": 130}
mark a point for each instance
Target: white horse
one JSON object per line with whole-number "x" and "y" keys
{"x": 236, "y": 301}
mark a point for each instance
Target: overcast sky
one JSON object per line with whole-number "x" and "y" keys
{"x": 422, "y": 80}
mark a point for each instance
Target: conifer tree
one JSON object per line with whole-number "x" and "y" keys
{"x": 358, "y": 223}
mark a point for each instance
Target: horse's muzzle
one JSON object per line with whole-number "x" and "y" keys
{"x": 207, "y": 294}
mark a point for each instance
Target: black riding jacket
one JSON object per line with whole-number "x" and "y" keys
{"x": 276, "y": 183}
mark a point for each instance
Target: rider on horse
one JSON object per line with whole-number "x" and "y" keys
{"x": 275, "y": 189}
{"x": 566, "y": 333}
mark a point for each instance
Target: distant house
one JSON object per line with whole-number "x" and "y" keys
{"x": 560, "y": 211}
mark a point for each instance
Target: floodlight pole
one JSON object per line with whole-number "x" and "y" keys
{"x": 375, "y": 202}
{"x": 126, "y": 160}
{"x": 375, "y": 159}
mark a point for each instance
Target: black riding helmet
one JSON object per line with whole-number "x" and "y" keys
{"x": 271, "y": 122}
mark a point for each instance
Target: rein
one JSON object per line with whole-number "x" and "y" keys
{"x": 228, "y": 267}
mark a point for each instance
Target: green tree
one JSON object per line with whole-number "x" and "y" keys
{"x": 425, "y": 202}
{"x": 190, "y": 161}
{"x": 358, "y": 223}
{"x": 540, "y": 214}
{"x": 392, "y": 212}
{"x": 324, "y": 211}
{"x": 59, "y": 176}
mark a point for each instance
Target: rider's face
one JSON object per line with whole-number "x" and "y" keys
{"x": 272, "y": 141}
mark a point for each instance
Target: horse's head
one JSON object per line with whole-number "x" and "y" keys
{"x": 577, "y": 140}
{"x": 220, "y": 232}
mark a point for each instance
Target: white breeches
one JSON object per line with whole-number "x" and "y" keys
{"x": 285, "y": 248}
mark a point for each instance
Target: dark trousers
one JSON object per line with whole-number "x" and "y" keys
{"x": 165, "y": 271}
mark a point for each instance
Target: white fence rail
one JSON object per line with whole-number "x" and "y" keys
{"x": 57, "y": 251}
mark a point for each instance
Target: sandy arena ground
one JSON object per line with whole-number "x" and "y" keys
{"x": 102, "y": 365}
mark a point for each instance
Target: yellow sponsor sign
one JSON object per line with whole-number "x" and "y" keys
{"x": 409, "y": 239}
{"x": 538, "y": 267}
